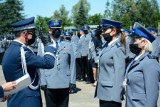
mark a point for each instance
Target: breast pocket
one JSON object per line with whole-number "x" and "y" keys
{"x": 107, "y": 83}
{"x": 139, "y": 96}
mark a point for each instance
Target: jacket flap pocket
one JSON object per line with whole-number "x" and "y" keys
{"x": 137, "y": 96}
{"x": 107, "y": 83}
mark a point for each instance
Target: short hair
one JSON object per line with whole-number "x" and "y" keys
{"x": 18, "y": 33}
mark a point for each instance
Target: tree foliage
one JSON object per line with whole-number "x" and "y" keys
{"x": 130, "y": 11}
{"x": 80, "y": 13}
{"x": 41, "y": 24}
{"x": 95, "y": 19}
{"x": 10, "y": 12}
{"x": 108, "y": 10}
{"x": 62, "y": 13}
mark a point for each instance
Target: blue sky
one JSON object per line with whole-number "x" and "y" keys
{"x": 47, "y": 7}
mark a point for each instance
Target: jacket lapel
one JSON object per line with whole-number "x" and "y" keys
{"x": 61, "y": 47}
{"x": 134, "y": 63}
{"x": 106, "y": 48}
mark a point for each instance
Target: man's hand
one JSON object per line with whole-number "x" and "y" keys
{"x": 8, "y": 86}
{"x": 5, "y": 98}
{"x": 45, "y": 39}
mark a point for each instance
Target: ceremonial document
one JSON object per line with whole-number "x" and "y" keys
{"x": 22, "y": 83}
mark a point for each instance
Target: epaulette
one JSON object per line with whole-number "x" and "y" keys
{"x": 150, "y": 56}
{"x": 118, "y": 44}
{"x": 49, "y": 44}
{"x": 68, "y": 41}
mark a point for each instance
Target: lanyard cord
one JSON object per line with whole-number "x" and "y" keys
{"x": 25, "y": 72}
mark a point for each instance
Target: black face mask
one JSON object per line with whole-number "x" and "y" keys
{"x": 107, "y": 37}
{"x": 56, "y": 33}
{"x": 68, "y": 38}
{"x": 31, "y": 41}
{"x": 135, "y": 49}
{"x": 85, "y": 31}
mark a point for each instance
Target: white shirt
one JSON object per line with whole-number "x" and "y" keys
{"x": 138, "y": 56}
{"x": 19, "y": 42}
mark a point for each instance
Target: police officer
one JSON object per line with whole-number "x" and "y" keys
{"x": 153, "y": 31}
{"x": 52, "y": 24}
{"x": 74, "y": 41}
{"x": 78, "y": 54}
{"x": 111, "y": 65}
{"x": 155, "y": 43}
{"x": 143, "y": 72}
{"x": 129, "y": 54}
{"x": 84, "y": 51}
{"x": 12, "y": 65}
{"x": 73, "y": 89}
{"x": 58, "y": 79}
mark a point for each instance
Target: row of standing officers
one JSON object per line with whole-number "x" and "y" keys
{"x": 62, "y": 62}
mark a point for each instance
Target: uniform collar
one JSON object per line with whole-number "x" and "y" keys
{"x": 19, "y": 42}
{"x": 112, "y": 42}
{"x": 81, "y": 36}
{"x": 136, "y": 58}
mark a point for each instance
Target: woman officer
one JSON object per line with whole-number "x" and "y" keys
{"x": 111, "y": 65}
{"x": 142, "y": 73}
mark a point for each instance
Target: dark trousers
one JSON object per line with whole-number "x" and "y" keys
{"x": 79, "y": 69}
{"x": 90, "y": 72}
{"x": 57, "y": 97}
{"x": 84, "y": 66}
{"x": 109, "y": 104}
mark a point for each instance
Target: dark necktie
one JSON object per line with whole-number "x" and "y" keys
{"x": 57, "y": 45}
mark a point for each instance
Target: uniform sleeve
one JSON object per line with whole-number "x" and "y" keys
{"x": 1, "y": 92}
{"x": 72, "y": 66}
{"x": 119, "y": 66}
{"x": 46, "y": 61}
{"x": 93, "y": 51}
{"x": 151, "y": 79}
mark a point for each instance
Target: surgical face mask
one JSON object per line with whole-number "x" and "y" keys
{"x": 135, "y": 49}
{"x": 107, "y": 37}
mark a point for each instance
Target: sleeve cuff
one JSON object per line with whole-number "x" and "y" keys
{"x": 1, "y": 92}
{"x": 49, "y": 53}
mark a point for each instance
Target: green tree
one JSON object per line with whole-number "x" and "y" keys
{"x": 129, "y": 11}
{"x": 41, "y": 24}
{"x": 56, "y": 15}
{"x": 95, "y": 19}
{"x": 62, "y": 13}
{"x": 108, "y": 10}
{"x": 80, "y": 13}
{"x": 10, "y": 12}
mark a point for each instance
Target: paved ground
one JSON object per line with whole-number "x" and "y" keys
{"x": 84, "y": 98}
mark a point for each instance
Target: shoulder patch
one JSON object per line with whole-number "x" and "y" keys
{"x": 150, "y": 56}
{"x": 118, "y": 44}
